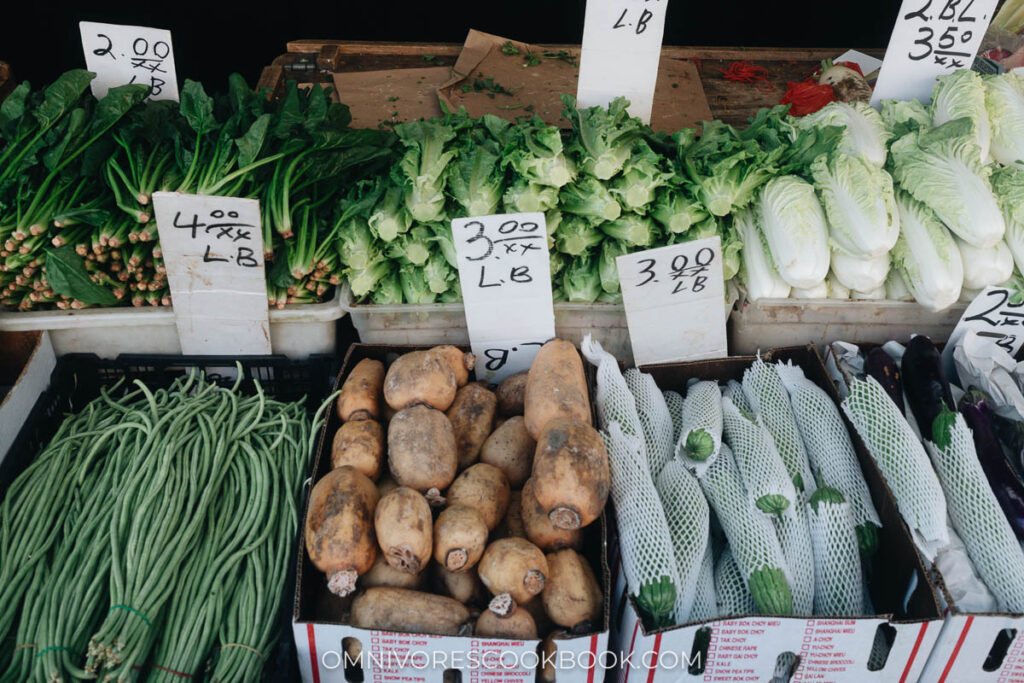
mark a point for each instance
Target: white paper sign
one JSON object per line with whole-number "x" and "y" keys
{"x": 675, "y": 301}
{"x": 620, "y": 53}
{"x": 129, "y": 54}
{"x": 505, "y": 273}
{"x": 931, "y": 38}
{"x": 868, "y": 64}
{"x": 213, "y": 249}
{"x": 992, "y": 315}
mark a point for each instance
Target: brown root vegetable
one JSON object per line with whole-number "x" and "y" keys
{"x": 510, "y": 448}
{"x": 472, "y": 418}
{"x": 484, "y": 488}
{"x": 514, "y": 566}
{"x": 397, "y": 609}
{"x": 405, "y": 529}
{"x": 420, "y": 377}
{"x": 555, "y": 387}
{"x": 512, "y": 524}
{"x": 339, "y": 527}
{"x": 538, "y": 528}
{"x": 549, "y": 656}
{"x": 536, "y": 609}
{"x": 460, "y": 537}
{"x": 359, "y": 443}
{"x": 361, "y": 392}
{"x": 571, "y": 480}
{"x": 572, "y": 595}
{"x": 465, "y": 587}
{"x": 421, "y": 449}
{"x": 516, "y": 625}
{"x": 458, "y": 360}
{"x": 383, "y": 574}
{"x": 511, "y": 394}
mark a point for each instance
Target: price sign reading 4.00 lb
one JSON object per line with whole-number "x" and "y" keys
{"x": 675, "y": 301}
{"x": 129, "y": 54}
{"x": 213, "y": 249}
{"x": 505, "y": 273}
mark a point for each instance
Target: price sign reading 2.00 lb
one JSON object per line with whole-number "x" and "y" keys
{"x": 505, "y": 273}
{"x": 213, "y": 248}
{"x": 675, "y": 301}
{"x": 130, "y": 54}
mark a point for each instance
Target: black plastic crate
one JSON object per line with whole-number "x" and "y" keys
{"x": 79, "y": 378}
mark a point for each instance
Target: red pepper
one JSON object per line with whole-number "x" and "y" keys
{"x": 807, "y": 97}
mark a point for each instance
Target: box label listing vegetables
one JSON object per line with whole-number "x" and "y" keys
{"x": 931, "y": 38}
{"x": 505, "y": 273}
{"x": 129, "y": 54}
{"x": 213, "y": 249}
{"x": 675, "y": 301}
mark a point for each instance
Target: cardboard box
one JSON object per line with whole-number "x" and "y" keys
{"x": 26, "y": 362}
{"x": 321, "y": 632}
{"x": 834, "y": 649}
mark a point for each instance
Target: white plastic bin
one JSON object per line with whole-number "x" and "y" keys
{"x": 772, "y": 323}
{"x": 295, "y": 331}
{"x": 429, "y": 324}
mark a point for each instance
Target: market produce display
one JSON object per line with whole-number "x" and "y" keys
{"x": 945, "y": 466}
{"x": 153, "y": 534}
{"x": 781, "y": 540}
{"x": 459, "y": 526}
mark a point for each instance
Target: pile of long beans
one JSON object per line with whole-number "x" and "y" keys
{"x": 150, "y": 537}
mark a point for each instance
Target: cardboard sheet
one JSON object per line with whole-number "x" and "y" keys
{"x": 679, "y": 100}
{"x": 391, "y": 96}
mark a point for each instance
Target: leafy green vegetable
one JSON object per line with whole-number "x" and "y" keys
{"x": 66, "y": 273}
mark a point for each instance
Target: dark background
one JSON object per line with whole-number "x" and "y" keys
{"x": 40, "y": 38}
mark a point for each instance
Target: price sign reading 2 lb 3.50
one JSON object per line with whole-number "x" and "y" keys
{"x": 675, "y": 301}
{"x": 505, "y": 273}
{"x": 213, "y": 249}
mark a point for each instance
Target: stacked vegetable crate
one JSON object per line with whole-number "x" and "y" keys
{"x": 891, "y": 645}
{"x": 26, "y": 361}
{"x": 329, "y": 645}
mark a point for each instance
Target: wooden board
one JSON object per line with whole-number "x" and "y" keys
{"x": 375, "y": 97}
{"x": 318, "y": 60}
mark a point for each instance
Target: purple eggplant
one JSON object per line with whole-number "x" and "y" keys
{"x": 924, "y": 380}
{"x": 1005, "y": 485}
{"x": 883, "y": 368}
{"x": 1011, "y": 434}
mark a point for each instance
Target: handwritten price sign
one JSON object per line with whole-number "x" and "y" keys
{"x": 505, "y": 273}
{"x": 675, "y": 301}
{"x": 213, "y": 248}
{"x": 931, "y": 38}
{"x": 129, "y": 54}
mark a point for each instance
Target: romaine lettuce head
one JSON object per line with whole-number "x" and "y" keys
{"x": 865, "y": 133}
{"x": 642, "y": 175}
{"x": 389, "y": 217}
{"x": 795, "y": 230}
{"x": 1004, "y": 99}
{"x": 607, "y": 267}
{"x": 588, "y": 197}
{"x": 631, "y": 229}
{"x": 943, "y": 169}
{"x": 422, "y": 167}
{"x": 576, "y": 236}
{"x": 676, "y": 210}
{"x": 412, "y": 248}
{"x": 926, "y": 255}
{"x": 415, "y": 288}
{"x": 365, "y": 279}
{"x": 860, "y": 203}
{"x": 602, "y": 139}
{"x": 526, "y": 197}
{"x": 537, "y": 154}
{"x": 581, "y": 281}
{"x": 960, "y": 94}
{"x": 476, "y": 179}
{"x": 389, "y": 290}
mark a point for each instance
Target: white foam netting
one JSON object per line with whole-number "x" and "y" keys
{"x": 795, "y": 539}
{"x": 655, "y": 420}
{"x": 839, "y": 581}
{"x": 828, "y": 443}
{"x": 749, "y": 532}
{"x": 705, "y": 605}
{"x": 733, "y": 390}
{"x": 674, "y": 401}
{"x": 978, "y": 519}
{"x": 686, "y": 511}
{"x": 734, "y": 598}
{"x": 763, "y": 474}
{"x": 701, "y": 433}
{"x": 647, "y": 550}
{"x": 614, "y": 401}
{"x": 903, "y": 462}
{"x": 765, "y": 392}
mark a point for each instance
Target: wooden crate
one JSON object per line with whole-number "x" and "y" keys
{"x": 315, "y": 60}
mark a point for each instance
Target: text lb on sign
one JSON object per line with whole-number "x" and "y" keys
{"x": 931, "y": 38}
{"x": 505, "y": 274}
{"x": 213, "y": 250}
{"x": 675, "y": 301}
{"x": 620, "y": 53}
{"x": 120, "y": 55}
